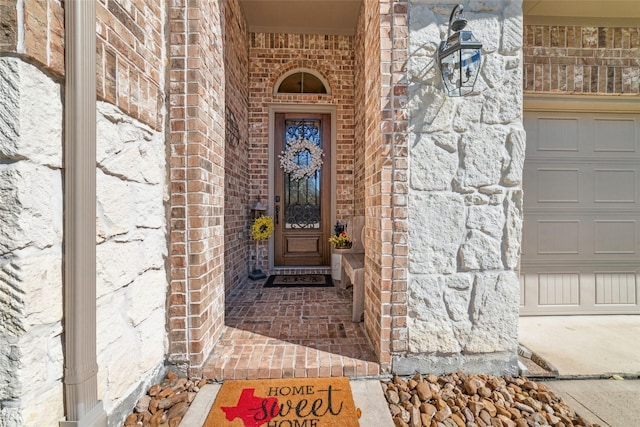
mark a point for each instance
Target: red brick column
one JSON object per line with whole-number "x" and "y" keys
{"x": 396, "y": 141}
{"x": 381, "y": 135}
{"x": 237, "y": 183}
{"x": 196, "y": 126}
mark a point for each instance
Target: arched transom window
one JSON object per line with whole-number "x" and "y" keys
{"x": 302, "y": 81}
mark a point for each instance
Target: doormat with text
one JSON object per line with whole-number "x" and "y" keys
{"x": 301, "y": 402}
{"x": 304, "y": 280}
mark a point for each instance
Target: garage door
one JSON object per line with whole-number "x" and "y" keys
{"x": 581, "y": 238}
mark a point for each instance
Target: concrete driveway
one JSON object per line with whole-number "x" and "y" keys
{"x": 585, "y": 346}
{"x": 588, "y": 352}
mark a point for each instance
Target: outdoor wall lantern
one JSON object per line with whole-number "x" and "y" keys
{"x": 459, "y": 56}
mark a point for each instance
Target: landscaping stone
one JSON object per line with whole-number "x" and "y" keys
{"x": 165, "y": 404}
{"x": 474, "y": 400}
{"x": 452, "y": 400}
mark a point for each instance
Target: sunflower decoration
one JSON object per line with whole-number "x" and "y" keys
{"x": 262, "y": 228}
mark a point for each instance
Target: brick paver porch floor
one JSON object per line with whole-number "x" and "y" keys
{"x": 290, "y": 332}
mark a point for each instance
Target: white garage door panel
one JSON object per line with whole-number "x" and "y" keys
{"x": 615, "y": 185}
{"x": 580, "y": 292}
{"x": 581, "y": 239}
{"x": 606, "y": 185}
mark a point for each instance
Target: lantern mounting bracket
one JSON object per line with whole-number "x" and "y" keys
{"x": 459, "y": 23}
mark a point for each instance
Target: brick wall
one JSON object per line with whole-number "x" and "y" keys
{"x": 395, "y": 173}
{"x": 129, "y": 57}
{"x": 129, "y": 53}
{"x": 8, "y": 26}
{"x": 271, "y": 56}
{"x": 236, "y": 55}
{"x": 367, "y": 116}
{"x": 368, "y": 119}
{"x": 383, "y": 28}
{"x": 581, "y": 59}
{"x": 197, "y": 151}
{"x": 41, "y": 38}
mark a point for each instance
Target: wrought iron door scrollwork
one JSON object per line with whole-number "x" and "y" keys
{"x": 302, "y": 216}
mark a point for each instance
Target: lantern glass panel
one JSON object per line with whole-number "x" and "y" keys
{"x": 449, "y": 66}
{"x": 460, "y": 60}
{"x": 470, "y": 68}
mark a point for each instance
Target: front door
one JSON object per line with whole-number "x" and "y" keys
{"x": 302, "y": 211}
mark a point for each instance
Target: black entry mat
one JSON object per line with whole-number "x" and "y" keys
{"x": 299, "y": 280}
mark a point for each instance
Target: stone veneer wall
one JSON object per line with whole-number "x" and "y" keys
{"x": 131, "y": 278}
{"x": 131, "y": 191}
{"x": 465, "y": 202}
{"x": 31, "y": 358}
{"x": 131, "y": 252}
{"x": 196, "y": 167}
{"x": 581, "y": 59}
{"x": 271, "y": 56}
{"x": 236, "y": 55}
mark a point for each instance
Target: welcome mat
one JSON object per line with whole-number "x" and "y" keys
{"x": 304, "y": 280}
{"x": 299, "y": 402}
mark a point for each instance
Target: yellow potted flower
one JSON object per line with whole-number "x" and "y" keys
{"x": 341, "y": 240}
{"x": 261, "y": 229}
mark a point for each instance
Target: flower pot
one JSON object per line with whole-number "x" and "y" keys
{"x": 336, "y": 265}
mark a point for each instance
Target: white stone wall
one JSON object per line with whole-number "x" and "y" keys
{"x": 131, "y": 250}
{"x": 130, "y": 254}
{"x": 30, "y": 246}
{"x": 465, "y": 221}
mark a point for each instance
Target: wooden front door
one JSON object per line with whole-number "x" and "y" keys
{"x": 302, "y": 211}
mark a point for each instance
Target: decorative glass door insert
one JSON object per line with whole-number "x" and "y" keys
{"x": 302, "y": 196}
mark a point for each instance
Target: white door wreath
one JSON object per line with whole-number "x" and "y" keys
{"x": 294, "y": 148}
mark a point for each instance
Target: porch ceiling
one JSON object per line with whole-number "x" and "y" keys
{"x": 586, "y": 12}
{"x": 302, "y": 16}
{"x": 340, "y": 16}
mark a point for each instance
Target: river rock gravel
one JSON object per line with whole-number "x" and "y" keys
{"x": 453, "y": 400}
{"x": 472, "y": 400}
{"x": 165, "y": 404}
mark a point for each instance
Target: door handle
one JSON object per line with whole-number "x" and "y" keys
{"x": 277, "y": 213}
